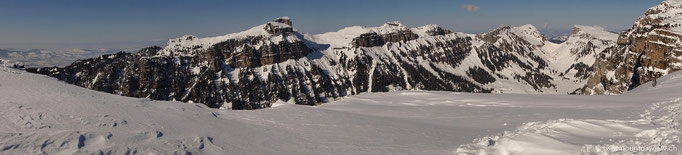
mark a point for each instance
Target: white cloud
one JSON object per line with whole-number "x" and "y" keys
{"x": 471, "y": 7}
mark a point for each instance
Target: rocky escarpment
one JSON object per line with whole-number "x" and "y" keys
{"x": 437, "y": 30}
{"x": 368, "y": 40}
{"x": 273, "y": 63}
{"x": 240, "y": 54}
{"x": 373, "y": 39}
{"x": 650, "y": 49}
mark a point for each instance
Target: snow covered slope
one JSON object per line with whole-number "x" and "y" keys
{"x": 574, "y": 58}
{"x": 42, "y": 115}
{"x": 654, "y": 131}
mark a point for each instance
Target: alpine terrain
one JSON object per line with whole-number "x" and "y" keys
{"x": 383, "y": 89}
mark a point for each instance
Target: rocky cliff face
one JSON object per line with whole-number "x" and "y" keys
{"x": 401, "y": 34}
{"x": 650, "y": 49}
{"x": 272, "y": 62}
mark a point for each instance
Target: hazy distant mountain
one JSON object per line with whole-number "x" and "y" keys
{"x": 556, "y": 36}
{"x": 49, "y": 58}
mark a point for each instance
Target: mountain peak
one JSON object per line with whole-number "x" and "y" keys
{"x": 527, "y": 32}
{"x": 431, "y": 29}
{"x": 277, "y": 30}
{"x": 390, "y": 27}
{"x": 530, "y": 33}
{"x": 663, "y": 15}
{"x": 593, "y": 32}
{"x": 501, "y": 28}
{"x": 279, "y": 26}
{"x": 673, "y": 1}
{"x": 283, "y": 20}
{"x": 528, "y": 27}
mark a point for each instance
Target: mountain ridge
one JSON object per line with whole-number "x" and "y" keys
{"x": 273, "y": 62}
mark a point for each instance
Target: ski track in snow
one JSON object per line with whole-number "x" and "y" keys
{"x": 42, "y": 115}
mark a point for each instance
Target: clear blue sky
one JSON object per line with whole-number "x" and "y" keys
{"x": 74, "y": 23}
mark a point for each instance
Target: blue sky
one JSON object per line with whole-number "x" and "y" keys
{"x": 134, "y": 23}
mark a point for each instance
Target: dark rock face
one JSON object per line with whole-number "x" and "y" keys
{"x": 280, "y": 26}
{"x": 583, "y": 70}
{"x": 278, "y": 30}
{"x": 537, "y": 80}
{"x": 399, "y": 36}
{"x": 241, "y": 53}
{"x": 480, "y": 75}
{"x": 284, "y": 20}
{"x": 437, "y": 31}
{"x": 149, "y": 51}
{"x": 368, "y": 40}
{"x": 373, "y": 39}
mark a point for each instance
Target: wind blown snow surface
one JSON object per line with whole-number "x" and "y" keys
{"x": 654, "y": 131}
{"x": 40, "y": 115}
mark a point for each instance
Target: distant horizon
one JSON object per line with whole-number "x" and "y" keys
{"x": 81, "y": 24}
{"x": 132, "y": 46}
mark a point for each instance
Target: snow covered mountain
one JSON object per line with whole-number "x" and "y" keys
{"x": 650, "y": 49}
{"x": 574, "y": 58}
{"x": 273, "y": 62}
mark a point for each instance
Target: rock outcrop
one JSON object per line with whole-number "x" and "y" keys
{"x": 650, "y": 49}
{"x": 392, "y": 32}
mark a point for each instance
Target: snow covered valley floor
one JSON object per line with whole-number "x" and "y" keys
{"x": 40, "y": 115}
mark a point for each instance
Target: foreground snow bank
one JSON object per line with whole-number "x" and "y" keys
{"x": 655, "y": 132}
